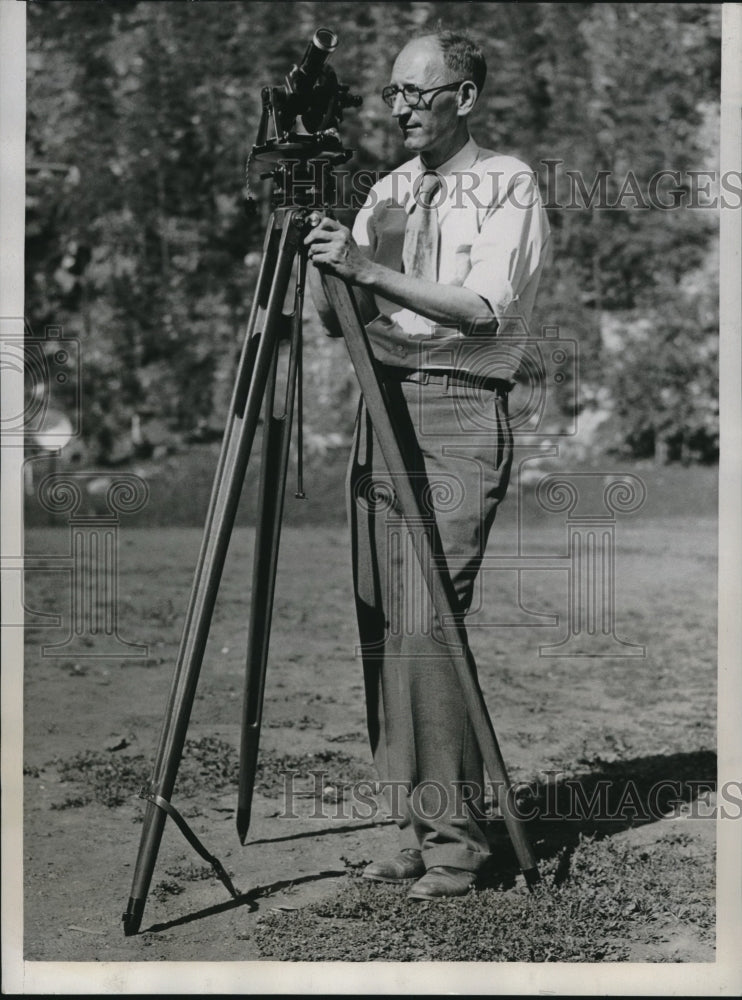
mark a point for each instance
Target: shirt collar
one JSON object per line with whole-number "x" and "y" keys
{"x": 463, "y": 160}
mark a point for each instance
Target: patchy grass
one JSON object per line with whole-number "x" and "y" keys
{"x": 615, "y": 895}
{"x": 340, "y": 770}
{"x": 110, "y": 780}
{"x": 179, "y": 874}
{"x": 207, "y": 763}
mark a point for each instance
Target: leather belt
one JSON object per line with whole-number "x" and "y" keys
{"x": 447, "y": 377}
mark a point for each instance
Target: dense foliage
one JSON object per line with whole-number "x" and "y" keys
{"x": 140, "y": 116}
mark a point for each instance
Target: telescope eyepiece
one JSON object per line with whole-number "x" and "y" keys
{"x": 325, "y": 40}
{"x": 318, "y": 52}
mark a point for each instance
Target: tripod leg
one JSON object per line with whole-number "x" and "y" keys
{"x": 274, "y": 462}
{"x": 281, "y": 245}
{"x": 438, "y": 583}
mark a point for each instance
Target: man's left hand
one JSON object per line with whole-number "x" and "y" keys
{"x": 331, "y": 246}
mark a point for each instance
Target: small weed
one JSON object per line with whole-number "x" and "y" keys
{"x": 167, "y": 887}
{"x": 305, "y": 722}
{"x": 191, "y": 873}
{"x": 162, "y": 612}
{"x": 354, "y": 868}
{"x": 72, "y": 802}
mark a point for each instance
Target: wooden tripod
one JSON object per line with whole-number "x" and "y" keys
{"x": 284, "y": 256}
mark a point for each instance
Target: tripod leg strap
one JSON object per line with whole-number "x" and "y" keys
{"x": 191, "y": 837}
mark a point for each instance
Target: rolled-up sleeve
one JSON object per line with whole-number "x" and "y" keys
{"x": 508, "y": 253}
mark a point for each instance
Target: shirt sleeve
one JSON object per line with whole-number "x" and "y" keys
{"x": 508, "y": 253}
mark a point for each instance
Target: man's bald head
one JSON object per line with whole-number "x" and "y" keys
{"x": 422, "y": 61}
{"x": 462, "y": 57}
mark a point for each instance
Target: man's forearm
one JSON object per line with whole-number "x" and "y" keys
{"x": 444, "y": 304}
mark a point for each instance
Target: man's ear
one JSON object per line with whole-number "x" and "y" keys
{"x": 467, "y": 97}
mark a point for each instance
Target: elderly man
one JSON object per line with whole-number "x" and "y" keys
{"x": 445, "y": 254}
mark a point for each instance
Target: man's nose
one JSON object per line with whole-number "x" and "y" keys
{"x": 400, "y": 106}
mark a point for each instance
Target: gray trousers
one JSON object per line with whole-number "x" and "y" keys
{"x": 458, "y": 445}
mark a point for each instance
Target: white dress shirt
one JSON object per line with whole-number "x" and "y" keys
{"x": 493, "y": 238}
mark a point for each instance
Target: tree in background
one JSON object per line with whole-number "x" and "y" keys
{"x": 140, "y": 116}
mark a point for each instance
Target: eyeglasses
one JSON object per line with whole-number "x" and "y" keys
{"x": 413, "y": 96}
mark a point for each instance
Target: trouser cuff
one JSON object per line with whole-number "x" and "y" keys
{"x": 454, "y": 856}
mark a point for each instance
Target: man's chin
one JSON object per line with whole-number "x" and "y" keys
{"x": 413, "y": 140}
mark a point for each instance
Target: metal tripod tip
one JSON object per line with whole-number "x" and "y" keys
{"x": 532, "y": 877}
{"x": 243, "y": 824}
{"x": 133, "y": 917}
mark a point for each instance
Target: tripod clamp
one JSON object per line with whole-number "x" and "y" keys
{"x": 149, "y": 795}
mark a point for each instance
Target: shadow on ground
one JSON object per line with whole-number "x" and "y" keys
{"x": 559, "y": 811}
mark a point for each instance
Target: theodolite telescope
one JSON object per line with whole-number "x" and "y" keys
{"x": 303, "y": 116}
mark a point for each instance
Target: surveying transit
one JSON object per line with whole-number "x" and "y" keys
{"x": 298, "y": 132}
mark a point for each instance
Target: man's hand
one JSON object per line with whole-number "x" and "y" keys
{"x": 332, "y": 246}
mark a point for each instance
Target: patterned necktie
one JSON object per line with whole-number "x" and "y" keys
{"x": 420, "y": 251}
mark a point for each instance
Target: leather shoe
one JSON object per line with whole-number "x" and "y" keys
{"x": 441, "y": 881}
{"x": 405, "y": 867}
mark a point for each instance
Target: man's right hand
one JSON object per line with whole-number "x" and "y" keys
{"x": 366, "y": 302}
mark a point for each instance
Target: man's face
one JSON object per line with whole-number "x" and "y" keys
{"x": 429, "y": 127}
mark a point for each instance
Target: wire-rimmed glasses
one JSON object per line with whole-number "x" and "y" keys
{"x": 413, "y": 96}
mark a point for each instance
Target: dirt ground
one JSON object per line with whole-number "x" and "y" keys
{"x": 92, "y": 723}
